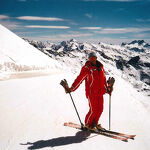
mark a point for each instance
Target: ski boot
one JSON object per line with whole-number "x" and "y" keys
{"x": 90, "y": 127}
{"x": 100, "y": 128}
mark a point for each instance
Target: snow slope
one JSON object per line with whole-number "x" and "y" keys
{"x": 33, "y": 110}
{"x": 16, "y": 55}
{"x": 33, "y": 118}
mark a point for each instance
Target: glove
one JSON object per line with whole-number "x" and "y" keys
{"x": 109, "y": 89}
{"x": 110, "y": 84}
{"x": 65, "y": 85}
{"x": 68, "y": 90}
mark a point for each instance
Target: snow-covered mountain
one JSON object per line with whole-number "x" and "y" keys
{"x": 137, "y": 45}
{"x": 132, "y": 59}
{"x": 16, "y": 55}
{"x": 33, "y": 110}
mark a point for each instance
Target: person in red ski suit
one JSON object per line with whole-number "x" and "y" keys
{"x": 95, "y": 86}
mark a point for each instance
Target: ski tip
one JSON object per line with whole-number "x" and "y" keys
{"x": 65, "y": 124}
{"x": 125, "y": 140}
{"x": 132, "y": 137}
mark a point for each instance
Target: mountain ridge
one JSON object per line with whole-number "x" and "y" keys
{"x": 132, "y": 59}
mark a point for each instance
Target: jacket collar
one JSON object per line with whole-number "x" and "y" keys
{"x": 98, "y": 64}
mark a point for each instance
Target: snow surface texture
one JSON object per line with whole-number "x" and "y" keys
{"x": 33, "y": 110}
{"x": 33, "y": 118}
{"x": 16, "y": 55}
{"x": 132, "y": 59}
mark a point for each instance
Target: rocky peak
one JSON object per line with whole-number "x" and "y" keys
{"x": 73, "y": 40}
{"x": 139, "y": 42}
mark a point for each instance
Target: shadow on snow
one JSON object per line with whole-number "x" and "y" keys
{"x": 60, "y": 141}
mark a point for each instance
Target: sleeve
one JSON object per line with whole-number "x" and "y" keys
{"x": 83, "y": 74}
{"x": 105, "y": 82}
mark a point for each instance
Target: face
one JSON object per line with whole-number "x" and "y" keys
{"x": 93, "y": 59}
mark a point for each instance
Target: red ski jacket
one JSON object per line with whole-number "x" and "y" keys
{"x": 95, "y": 80}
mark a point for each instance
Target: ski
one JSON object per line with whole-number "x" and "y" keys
{"x": 77, "y": 126}
{"x": 121, "y": 134}
{"x": 114, "y": 132}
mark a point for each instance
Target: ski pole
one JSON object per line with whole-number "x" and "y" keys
{"x": 109, "y": 111}
{"x": 110, "y": 83}
{"x": 76, "y": 110}
{"x": 65, "y": 85}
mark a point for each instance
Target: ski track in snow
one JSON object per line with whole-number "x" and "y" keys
{"x": 33, "y": 111}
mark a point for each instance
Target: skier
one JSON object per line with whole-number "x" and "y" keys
{"x": 96, "y": 86}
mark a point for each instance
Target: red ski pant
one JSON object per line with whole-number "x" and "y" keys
{"x": 96, "y": 109}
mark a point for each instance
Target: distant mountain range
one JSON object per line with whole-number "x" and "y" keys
{"x": 132, "y": 59}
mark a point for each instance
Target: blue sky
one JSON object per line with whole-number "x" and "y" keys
{"x": 110, "y": 21}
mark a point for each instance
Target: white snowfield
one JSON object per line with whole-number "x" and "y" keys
{"x": 33, "y": 111}
{"x": 16, "y": 55}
